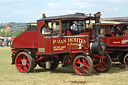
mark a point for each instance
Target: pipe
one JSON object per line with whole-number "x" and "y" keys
{"x": 97, "y": 25}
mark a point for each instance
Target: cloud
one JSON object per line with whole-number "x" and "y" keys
{"x": 15, "y": 0}
{"x": 69, "y": 4}
{"x": 109, "y": 1}
{"x": 110, "y": 9}
{"x": 19, "y": 12}
{"x": 62, "y": 12}
{"x": 5, "y": 0}
{"x": 23, "y": 12}
{"x": 32, "y": 8}
{"x": 117, "y": 1}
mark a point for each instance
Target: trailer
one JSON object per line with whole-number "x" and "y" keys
{"x": 62, "y": 40}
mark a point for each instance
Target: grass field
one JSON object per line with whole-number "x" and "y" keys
{"x": 9, "y": 75}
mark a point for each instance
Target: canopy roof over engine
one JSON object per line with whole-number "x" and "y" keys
{"x": 76, "y": 16}
{"x": 117, "y": 19}
{"x": 114, "y": 21}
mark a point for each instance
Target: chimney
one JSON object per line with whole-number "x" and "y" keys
{"x": 97, "y": 24}
{"x": 43, "y": 15}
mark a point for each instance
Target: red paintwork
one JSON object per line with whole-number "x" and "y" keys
{"x": 53, "y": 44}
{"x": 89, "y": 31}
{"x": 40, "y": 36}
{"x": 14, "y": 51}
{"x": 27, "y": 39}
{"x": 48, "y": 47}
{"x": 126, "y": 34}
{"x": 67, "y": 43}
{"x": 77, "y": 50}
{"x": 116, "y": 41}
{"x": 40, "y": 58}
{"x": 68, "y": 33}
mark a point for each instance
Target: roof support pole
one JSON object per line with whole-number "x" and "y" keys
{"x": 60, "y": 28}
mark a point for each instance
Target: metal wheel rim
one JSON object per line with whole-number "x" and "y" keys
{"x": 22, "y": 63}
{"x": 103, "y": 65}
{"x": 126, "y": 61}
{"x": 81, "y": 66}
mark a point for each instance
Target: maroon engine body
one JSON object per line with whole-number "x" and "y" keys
{"x": 69, "y": 42}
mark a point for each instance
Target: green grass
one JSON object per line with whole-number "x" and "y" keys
{"x": 9, "y": 75}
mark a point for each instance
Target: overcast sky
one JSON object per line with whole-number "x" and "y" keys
{"x": 31, "y": 10}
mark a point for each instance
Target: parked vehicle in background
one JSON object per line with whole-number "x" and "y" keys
{"x": 116, "y": 40}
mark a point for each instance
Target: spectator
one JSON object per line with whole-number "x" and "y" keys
{"x": 119, "y": 31}
{"x": 0, "y": 43}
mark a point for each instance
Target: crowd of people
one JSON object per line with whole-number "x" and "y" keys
{"x": 5, "y": 42}
{"x": 120, "y": 30}
{"x": 115, "y": 30}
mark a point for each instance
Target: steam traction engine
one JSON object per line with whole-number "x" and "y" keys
{"x": 69, "y": 43}
{"x": 117, "y": 43}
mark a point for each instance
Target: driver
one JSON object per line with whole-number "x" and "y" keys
{"x": 45, "y": 29}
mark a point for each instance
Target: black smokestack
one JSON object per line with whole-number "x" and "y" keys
{"x": 97, "y": 25}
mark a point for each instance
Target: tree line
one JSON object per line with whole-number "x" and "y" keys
{"x": 16, "y": 29}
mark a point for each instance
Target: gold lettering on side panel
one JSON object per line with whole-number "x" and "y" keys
{"x": 76, "y": 40}
{"x": 59, "y": 47}
{"x": 79, "y": 42}
{"x": 59, "y": 41}
{"x": 41, "y": 49}
{"x": 69, "y": 40}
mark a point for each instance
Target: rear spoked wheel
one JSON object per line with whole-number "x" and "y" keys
{"x": 67, "y": 60}
{"x": 102, "y": 63}
{"x": 82, "y": 65}
{"x": 126, "y": 61}
{"x": 24, "y": 62}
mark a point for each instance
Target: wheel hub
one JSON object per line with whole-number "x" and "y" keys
{"x": 127, "y": 59}
{"x": 24, "y": 62}
{"x": 81, "y": 65}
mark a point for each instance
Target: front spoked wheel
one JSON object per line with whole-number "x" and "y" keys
{"x": 82, "y": 65}
{"x": 102, "y": 63}
{"x": 126, "y": 61}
